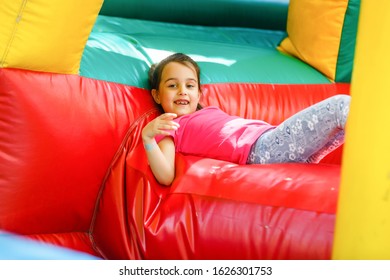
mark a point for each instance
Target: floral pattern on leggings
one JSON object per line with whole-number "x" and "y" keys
{"x": 307, "y": 136}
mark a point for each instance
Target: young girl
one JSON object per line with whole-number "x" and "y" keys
{"x": 187, "y": 128}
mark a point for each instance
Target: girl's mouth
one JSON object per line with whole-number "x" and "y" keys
{"x": 181, "y": 102}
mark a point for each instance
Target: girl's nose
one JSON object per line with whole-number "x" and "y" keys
{"x": 182, "y": 90}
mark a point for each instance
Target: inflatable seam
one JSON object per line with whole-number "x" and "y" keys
{"x": 15, "y": 27}
{"x": 113, "y": 161}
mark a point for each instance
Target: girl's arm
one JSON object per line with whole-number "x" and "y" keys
{"x": 161, "y": 157}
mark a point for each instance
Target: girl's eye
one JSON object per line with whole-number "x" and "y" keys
{"x": 191, "y": 86}
{"x": 172, "y": 86}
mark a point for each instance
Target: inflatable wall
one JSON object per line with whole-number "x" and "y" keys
{"x": 74, "y": 98}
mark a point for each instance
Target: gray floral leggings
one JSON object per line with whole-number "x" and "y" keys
{"x": 307, "y": 136}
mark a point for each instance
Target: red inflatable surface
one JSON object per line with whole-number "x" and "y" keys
{"x": 74, "y": 173}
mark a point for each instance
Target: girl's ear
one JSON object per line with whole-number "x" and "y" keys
{"x": 156, "y": 96}
{"x": 200, "y": 95}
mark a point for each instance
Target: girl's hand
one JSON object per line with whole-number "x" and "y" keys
{"x": 159, "y": 126}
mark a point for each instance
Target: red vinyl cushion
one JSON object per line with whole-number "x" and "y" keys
{"x": 272, "y": 103}
{"x": 74, "y": 173}
{"x": 58, "y": 136}
{"x": 217, "y": 210}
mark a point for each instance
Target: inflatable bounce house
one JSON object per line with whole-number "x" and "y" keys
{"x": 74, "y": 98}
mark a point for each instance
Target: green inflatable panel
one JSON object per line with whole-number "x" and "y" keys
{"x": 266, "y": 14}
{"x": 121, "y": 50}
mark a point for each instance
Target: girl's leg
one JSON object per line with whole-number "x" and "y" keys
{"x": 307, "y": 136}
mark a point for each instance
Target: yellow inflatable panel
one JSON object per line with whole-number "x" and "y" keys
{"x": 45, "y": 35}
{"x": 363, "y": 218}
{"x": 314, "y": 32}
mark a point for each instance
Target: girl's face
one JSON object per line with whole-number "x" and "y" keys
{"x": 178, "y": 91}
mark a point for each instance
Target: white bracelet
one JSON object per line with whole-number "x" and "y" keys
{"x": 151, "y": 146}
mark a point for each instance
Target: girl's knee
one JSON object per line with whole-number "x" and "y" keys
{"x": 342, "y": 97}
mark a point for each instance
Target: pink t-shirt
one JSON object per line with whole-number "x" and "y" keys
{"x": 212, "y": 133}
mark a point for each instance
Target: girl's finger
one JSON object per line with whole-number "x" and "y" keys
{"x": 164, "y": 132}
{"x": 169, "y": 123}
{"x": 168, "y": 116}
{"x": 169, "y": 126}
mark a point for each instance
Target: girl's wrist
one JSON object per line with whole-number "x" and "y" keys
{"x": 149, "y": 144}
{"x": 148, "y": 139}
